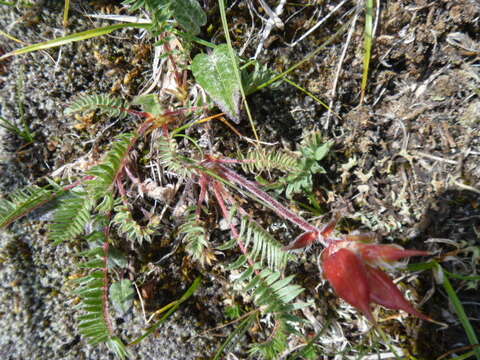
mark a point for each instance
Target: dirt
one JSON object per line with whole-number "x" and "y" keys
{"x": 404, "y": 164}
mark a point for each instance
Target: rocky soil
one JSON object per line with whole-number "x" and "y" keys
{"x": 405, "y": 164}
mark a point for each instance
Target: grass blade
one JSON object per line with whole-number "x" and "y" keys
{"x": 191, "y": 290}
{"x": 223, "y": 15}
{"x": 84, "y": 35}
{"x": 367, "y": 46}
{"x": 462, "y": 316}
{"x": 66, "y": 9}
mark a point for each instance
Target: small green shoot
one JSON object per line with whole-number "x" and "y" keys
{"x": 24, "y": 133}
{"x": 172, "y": 308}
{"x": 66, "y": 9}
{"x": 367, "y": 46}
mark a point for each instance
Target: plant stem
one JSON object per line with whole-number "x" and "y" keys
{"x": 280, "y": 209}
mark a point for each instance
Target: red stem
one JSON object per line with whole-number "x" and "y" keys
{"x": 106, "y": 304}
{"x": 219, "y": 194}
{"x": 280, "y": 209}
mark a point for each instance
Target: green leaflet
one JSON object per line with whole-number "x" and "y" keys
{"x": 149, "y": 103}
{"x": 121, "y": 295}
{"x": 216, "y": 74}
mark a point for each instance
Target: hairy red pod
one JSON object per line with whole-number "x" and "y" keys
{"x": 346, "y": 267}
{"x": 384, "y": 292}
{"x": 346, "y": 273}
{"x": 304, "y": 240}
{"x": 375, "y": 252}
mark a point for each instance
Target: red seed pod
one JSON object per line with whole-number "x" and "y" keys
{"x": 303, "y": 240}
{"x": 377, "y": 253}
{"x": 384, "y": 292}
{"x": 346, "y": 273}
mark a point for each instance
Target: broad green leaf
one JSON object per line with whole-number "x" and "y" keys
{"x": 189, "y": 15}
{"x": 323, "y": 150}
{"x": 149, "y": 103}
{"x": 121, "y": 295}
{"x": 117, "y": 258}
{"x": 216, "y": 74}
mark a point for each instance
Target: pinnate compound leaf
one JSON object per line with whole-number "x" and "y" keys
{"x": 121, "y": 295}
{"x": 216, "y": 74}
{"x": 21, "y": 202}
{"x": 118, "y": 347}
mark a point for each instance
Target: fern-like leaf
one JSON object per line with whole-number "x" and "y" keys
{"x": 129, "y": 227}
{"x": 264, "y": 247}
{"x": 196, "y": 238}
{"x": 23, "y": 201}
{"x": 170, "y": 159}
{"x": 104, "y": 103}
{"x": 106, "y": 173}
{"x": 71, "y": 217}
{"x": 95, "y": 324}
{"x": 274, "y": 295}
{"x": 261, "y": 159}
